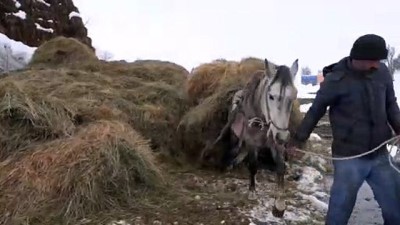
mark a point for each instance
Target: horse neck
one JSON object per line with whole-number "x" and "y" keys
{"x": 261, "y": 98}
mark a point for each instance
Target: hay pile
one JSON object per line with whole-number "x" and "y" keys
{"x": 40, "y": 105}
{"x": 211, "y": 88}
{"x": 77, "y": 140}
{"x": 62, "y": 51}
{"x": 149, "y": 70}
{"x": 208, "y": 78}
{"x": 105, "y": 165}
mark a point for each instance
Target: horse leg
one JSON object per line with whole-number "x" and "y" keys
{"x": 253, "y": 167}
{"x": 230, "y": 151}
{"x": 279, "y": 205}
{"x": 225, "y": 131}
{"x": 237, "y": 155}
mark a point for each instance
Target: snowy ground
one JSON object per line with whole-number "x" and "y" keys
{"x": 13, "y": 54}
{"x": 307, "y": 203}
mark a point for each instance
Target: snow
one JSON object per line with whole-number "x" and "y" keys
{"x": 305, "y": 91}
{"x": 17, "y": 4}
{"x": 44, "y": 29}
{"x": 320, "y": 205}
{"x": 21, "y": 14}
{"x": 305, "y": 107}
{"x": 315, "y": 137}
{"x": 310, "y": 199}
{"x": 41, "y": 1}
{"x": 74, "y": 14}
{"x": 14, "y": 54}
{"x": 308, "y": 181}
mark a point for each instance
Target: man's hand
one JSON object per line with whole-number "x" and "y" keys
{"x": 292, "y": 146}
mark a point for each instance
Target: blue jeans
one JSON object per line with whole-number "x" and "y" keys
{"x": 349, "y": 175}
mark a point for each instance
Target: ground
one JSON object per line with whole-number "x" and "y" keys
{"x": 201, "y": 196}
{"x": 207, "y": 197}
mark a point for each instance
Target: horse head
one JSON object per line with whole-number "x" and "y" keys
{"x": 277, "y": 101}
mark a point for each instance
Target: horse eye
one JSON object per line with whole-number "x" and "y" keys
{"x": 271, "y": 97}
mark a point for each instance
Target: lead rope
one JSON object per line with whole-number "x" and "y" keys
{"x": 395, "y": 139}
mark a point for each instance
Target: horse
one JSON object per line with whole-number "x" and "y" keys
{"x": 259, "y": 121}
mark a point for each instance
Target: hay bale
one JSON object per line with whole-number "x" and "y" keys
{"x": 26, "y": 118}
{"x": 250, "y": 65}
{"x": 62, "y": 51}
{"x": 104, "y": 166}
{"x": 145, "y": 70}
{"x": 207, "y": 78}
{"x": 157, "y": 70}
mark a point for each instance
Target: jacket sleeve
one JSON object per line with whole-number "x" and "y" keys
{"x": 392, "y": 108}
{"x": 326, "y": 96}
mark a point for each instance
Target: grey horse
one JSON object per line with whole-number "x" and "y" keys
{"x": 259, "y": 121}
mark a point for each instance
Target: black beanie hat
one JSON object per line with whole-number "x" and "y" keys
{"x": 369, "y": 47}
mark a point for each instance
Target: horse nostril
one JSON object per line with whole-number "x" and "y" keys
{"x": 281, "y": 138}
{"x": 278, "y": 138}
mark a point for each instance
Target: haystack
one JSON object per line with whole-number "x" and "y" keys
{"x": 62, "y": 51}
{"x": 104, "y": 166}
{"x": 211, "y": 88}
{"x": 41, "y": 105}
{"x": 146, "y": 70}
{"x": 208, "y": 77}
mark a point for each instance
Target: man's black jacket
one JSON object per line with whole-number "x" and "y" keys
{"x": 362, "y": 109}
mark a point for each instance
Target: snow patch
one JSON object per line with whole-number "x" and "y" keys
{"x": 42, "y": 1}
{"x": 309, "y": 180}
{"x": 309, "y": 199}
{"x": 21, "y": 14}
{"x": 305, "y": 91}
{"x": 50, "y": 30}
{"x": 17, "y": 4}
{"x": 14, "y": 54}
{"x": 305, "y": 107}
{"x": 315, "y": 137}
{"x": 74, "y": 14}
{"x": 320, "y": 205}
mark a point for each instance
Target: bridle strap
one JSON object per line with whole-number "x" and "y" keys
{"x": 268, "y": 119}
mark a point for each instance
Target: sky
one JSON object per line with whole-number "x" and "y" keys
{"x": 191, "y": 32}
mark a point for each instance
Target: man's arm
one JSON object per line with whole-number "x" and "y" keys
{"x": 326, "y": 96}
{"x": 392, "y": 108}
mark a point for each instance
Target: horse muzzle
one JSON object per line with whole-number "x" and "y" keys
{"x": 281, "y": 137}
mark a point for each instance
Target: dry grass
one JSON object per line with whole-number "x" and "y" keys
{"x": 79, "y": 139}
{"x": 41, "y": 105}
{"x": 63, "y": 51}
{"x": 207, "y": 78}
{"x": 104, "y": 166}
{"x": 148, "y": 70}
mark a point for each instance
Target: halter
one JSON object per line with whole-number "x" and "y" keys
{"x": 269, "y": 121}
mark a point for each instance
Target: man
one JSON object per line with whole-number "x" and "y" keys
{"x": 359, "y": 91}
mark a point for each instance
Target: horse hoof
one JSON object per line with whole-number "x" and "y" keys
{"x": 252, "y": 195}
{"x": 279, "y": 208}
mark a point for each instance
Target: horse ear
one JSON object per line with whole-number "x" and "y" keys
{"x": 294, "y": 68}
{"x": 268, "y": 69}
{"x": 266, "y": 64}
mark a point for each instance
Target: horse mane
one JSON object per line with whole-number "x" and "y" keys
{"x": 283, "y": 75}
